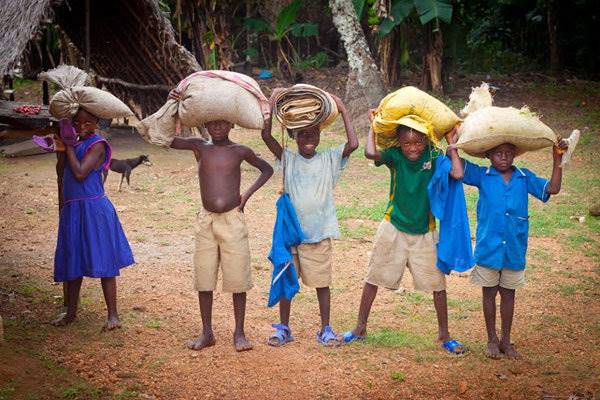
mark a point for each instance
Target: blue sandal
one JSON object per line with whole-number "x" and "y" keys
{"x": 328, "y": 337}
{"x": 454, "y": 347}
{"x": 349, "y": 337}
{"x": 281, "y": 337}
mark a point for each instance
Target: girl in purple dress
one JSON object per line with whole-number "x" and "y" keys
{"x": 91, "y": 241}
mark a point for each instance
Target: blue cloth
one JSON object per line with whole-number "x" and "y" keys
{"x": 447, "y": 201}
{"x": 287, "y": 233}
{"x": 310, "y": 183}
{"x": 502, "y": 214}
{"x": 91, "y": 241}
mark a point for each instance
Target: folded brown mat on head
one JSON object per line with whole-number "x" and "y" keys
{"x": 302, "y": 106}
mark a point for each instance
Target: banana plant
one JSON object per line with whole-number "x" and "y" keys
{"x": 284, "y": 25}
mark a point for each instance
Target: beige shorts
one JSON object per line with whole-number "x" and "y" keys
{"x": 222, "y": 239}
{"x": 395, "y": 250}
{"x": 489, "y": 277}
{"x": 313, "y": 263}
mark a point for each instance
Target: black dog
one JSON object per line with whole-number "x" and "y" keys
{"x": 124, "y": 167}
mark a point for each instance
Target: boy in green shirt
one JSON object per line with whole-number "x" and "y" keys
{"x": 407, "y": 235}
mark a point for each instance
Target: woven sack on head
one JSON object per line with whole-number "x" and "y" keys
{"x": 74, "y": 94}
{"x": 160, "y": 128}
{"x": 303, "y": 106}
{"x": 102, "y": 104}
{"x": 221, "y": 95}
{"x": 410, "y": 101}
{"x": 489, "y": 127}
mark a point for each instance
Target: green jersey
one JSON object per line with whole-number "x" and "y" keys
{"x": 408, "y": 209}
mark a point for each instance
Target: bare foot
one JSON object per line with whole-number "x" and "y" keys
{"x": 111, "y": 323}
{"x": 63, "y": 319}
{"x": 493, "y": 351}
{"x": 241, "y": 343}
{"x": 202, "y": 341}
{"x": 509, "y": 351}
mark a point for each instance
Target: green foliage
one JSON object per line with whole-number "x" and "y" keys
{"x": 434, "y": 9}
{"x": 400, "y": 10}
{"x": 398, "y": 376}
{"x": 387, "y": 337}
{"x": 285, "y": 19}
{"x": 315, "y": 61}
{"x": 305, "y": 29}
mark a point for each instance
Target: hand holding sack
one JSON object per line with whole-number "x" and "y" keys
{"x": 416, "y": 109}
{"x": 207, "y": 96}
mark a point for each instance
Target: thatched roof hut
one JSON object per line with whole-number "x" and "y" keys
{"x": 132, "y": 46}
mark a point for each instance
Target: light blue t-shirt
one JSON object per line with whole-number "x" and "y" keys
{"x": 310, "y": 183}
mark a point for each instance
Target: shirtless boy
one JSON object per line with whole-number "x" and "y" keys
{"x": 221, "y": 234}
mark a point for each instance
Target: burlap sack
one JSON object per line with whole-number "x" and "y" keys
{"x": 209, "y": 99}
{"x": 489, "y": 127}
{"x": 102, "y": 104}
{"x": 160, "y": 127}
{"x": 410, "y": 101}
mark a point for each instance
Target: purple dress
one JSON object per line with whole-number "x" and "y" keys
{"x": 91, "y": 241}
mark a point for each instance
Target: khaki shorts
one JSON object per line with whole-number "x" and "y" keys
{"x": 395, "y": 250}
{"x": 222, "y": 239}
{"x": 313, "y": 263}
{"x": 489, "y": 277}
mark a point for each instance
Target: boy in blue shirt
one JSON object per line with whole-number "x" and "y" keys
{"x": 502, "y": 233}
{"x": 310, "y": 178}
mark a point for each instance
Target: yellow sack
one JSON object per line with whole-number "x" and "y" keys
{"x": 416, "y": 109}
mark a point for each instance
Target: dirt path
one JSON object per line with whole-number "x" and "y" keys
{"x": 556, "y": 326}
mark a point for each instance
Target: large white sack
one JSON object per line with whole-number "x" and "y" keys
{"x": 489, "y": 127}
{"x": 208, "y": 99}
{"x": 102, "y": 104}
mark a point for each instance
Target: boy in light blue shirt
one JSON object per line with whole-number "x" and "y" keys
{"x": 310, "y": 178}
{"x": 502, "y": 233}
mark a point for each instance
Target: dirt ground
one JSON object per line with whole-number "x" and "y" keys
{"x": 556, "y": 327}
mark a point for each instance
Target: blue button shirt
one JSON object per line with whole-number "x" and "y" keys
{"x": 502, "y": 214}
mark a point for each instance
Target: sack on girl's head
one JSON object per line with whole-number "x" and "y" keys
{"x": 102, "y": 104}
{"x": 410, "y": 101}
{"x": 74, "y": 94}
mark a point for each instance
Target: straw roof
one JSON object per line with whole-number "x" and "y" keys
{"x": 19, "y": 21}
{"x": 131, "y": 42}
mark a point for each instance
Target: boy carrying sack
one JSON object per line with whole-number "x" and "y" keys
{"x": 310, "y": 178}
{"x": 407, "y": 236}
{"x": 221, "y": 233}
{"x": 503, "y": 219}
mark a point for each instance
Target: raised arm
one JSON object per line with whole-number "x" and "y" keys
{"x": 272, "y": 143}
{"x": 266, "y": 171}
{"x": 93, "y": 159}
{"x": 457, "y": 169}
{"x": 556, "y": 179}
{"x": 193, "y": 144}
{"x": 352, "y": 139}
{"x": 371, "y": 151}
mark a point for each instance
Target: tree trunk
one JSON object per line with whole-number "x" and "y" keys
{"x": 364, "y": 80}
{"x": 389, "y": 58}
{"x": 432, "y": 60}
{"x": 555, "y": 64}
